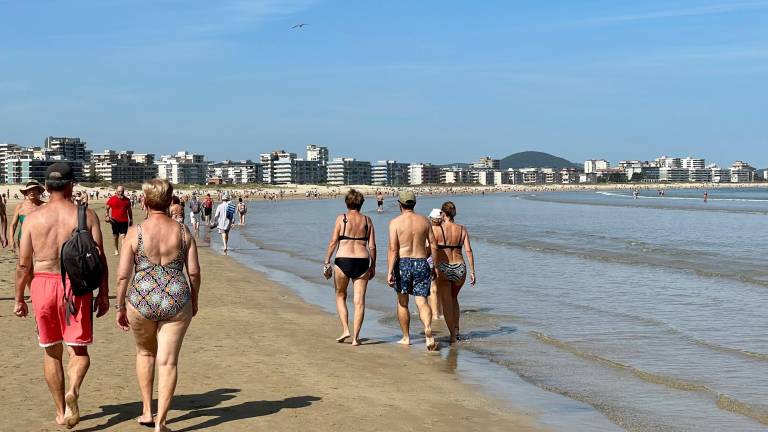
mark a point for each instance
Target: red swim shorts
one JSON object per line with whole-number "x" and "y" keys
{"x": 50, "y": 313}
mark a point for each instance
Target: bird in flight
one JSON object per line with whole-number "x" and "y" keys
{"x": 299, "y": 26}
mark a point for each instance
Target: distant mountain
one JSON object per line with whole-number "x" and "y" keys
{"x": 528, "y": 159}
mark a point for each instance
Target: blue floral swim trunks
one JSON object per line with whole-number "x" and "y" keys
{"x": 413, "y": 276}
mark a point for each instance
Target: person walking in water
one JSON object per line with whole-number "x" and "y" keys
{"x": 32, "y": 193}
{"x": 160, "y": 302}
{"x": 451, "y": 269}
{"x": 408, "y": 271}
{"x": 45, "y": 231}
{"x": 353, "y": 240}
{"x": 225, "y": 218}
{"x": 119, "y": 215}
{"x": 435, "y": 302}
{"x": 242, "y": 209}
{"x": 195, "y": 211}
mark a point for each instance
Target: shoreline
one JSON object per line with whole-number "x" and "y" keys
{"x": 245, "y": 366}
{"x": 298, "y": 192}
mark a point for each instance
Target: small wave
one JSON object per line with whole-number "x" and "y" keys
{"x": 670, "y": 382}
{"x": 758, "y": 413}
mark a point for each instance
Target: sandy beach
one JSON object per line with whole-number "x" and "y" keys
{"x": 256, "y": 358}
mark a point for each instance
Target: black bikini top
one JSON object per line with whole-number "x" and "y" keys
{"x": 343, "y": 235}
{"x": 447, "y": 246}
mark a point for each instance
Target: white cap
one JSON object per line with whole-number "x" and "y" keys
{"x": 435, "y": 214}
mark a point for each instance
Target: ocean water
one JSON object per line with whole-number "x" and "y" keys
{"x": 594, "y": 309}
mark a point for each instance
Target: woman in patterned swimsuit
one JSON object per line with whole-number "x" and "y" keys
{"x": 451, "y": 269}
{"x": 161, "y": 302}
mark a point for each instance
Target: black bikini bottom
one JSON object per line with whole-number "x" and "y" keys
{"x": 353, "y": 268}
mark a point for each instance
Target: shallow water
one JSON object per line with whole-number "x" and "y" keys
{"x": 647, "y": 311}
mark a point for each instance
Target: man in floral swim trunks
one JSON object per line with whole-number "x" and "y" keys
{"x": 409, "y": 273}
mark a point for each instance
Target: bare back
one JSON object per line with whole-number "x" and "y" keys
{"x": 452, "y": 235}
{"x": 412, "y": 232}
{"x": 49, "y": 227}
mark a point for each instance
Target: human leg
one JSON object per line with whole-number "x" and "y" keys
{"x": 361, "y": 285}
{"x": 145, "y": 336}
{"x": 455, "y": 288}
{"x": 116, "y": 238}
{"x": 444, "y": 289}
{"x": 170, "y": 335}
{"x": 54, "y": 377}
{"x": 341, "y": 282}
{"x": 434, "y": 300}
{"x": 425, "y": 313}
{"x": 79, "y": 362}
{"x": 404, "y": 317}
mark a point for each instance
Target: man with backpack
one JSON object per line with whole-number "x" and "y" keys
{"x": 63, "y": 241}
{"x": 195, "y": 207}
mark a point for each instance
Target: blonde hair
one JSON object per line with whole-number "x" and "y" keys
{"x": 157, "y": 193}
{"x": 354, "y": 200}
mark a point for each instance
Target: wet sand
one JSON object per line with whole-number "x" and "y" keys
{"x": 255, "y": 358}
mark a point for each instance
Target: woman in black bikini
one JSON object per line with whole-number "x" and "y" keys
{"x": 451, "y": 269}
{"x": 353, "y": 240}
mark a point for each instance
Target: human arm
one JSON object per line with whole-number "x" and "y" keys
{"x": 470, "y": 258}
{"x": 24, "y": 269}
{"x": 392, "y": 253}
{"x": 130, "y": 214}
{"x": 193, "y": 269}
{"x": 432, "y": 249}
{"x": 102, "y": 298}
{"x": 3, "y": 224}
{"x": 124, "y": 273}
{"x": 12, "y": 228}
{"x": 372, "y": 249}
{"x": 333, "y": 245}
{"x": 108, "y": 211}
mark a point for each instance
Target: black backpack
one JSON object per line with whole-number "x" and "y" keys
{"x": 81, "y": 261}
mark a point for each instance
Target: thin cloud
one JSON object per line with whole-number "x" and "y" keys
{"x": 713, "y": 9}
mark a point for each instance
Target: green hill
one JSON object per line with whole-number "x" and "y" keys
{"x": 528, "y": 159}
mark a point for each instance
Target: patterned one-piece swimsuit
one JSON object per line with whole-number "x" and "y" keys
{"x": 159, "y": 292}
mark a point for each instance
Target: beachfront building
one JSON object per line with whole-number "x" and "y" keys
{"x": 633, "y": 169}
{"x": 66, "y": 148}
{"x": 389, "y": 173}
{"x": 593, "y": 165}
{"x": 183, "y": 168}
{"x": 317, "y": 154}
{"x": 668, "y": 162}
{"x": 22, "y": 170}
{"x": 765, "y": 175}
{"x": 697, "y": 175}
{"x": 483, "y": 177}
{"x": 486, "y": 163}
{"x": 692, "y": 163}
{"x": 121, "y": 167}
{"x": 455, "y": 175}
{"x": 268, "y": 162}
{"x": 348, "y": 171}
{"x": 551, "y": 176}
{"x": 742, "y": 172}
{"x": 610, "y": 175}
{"x": 569, "y": 175}
{"x": 423, "y": 173}
{"x": 532, "y": 176}
{"x": 235, "y": 172}
{"x": 281, "y": 167}
{"x": 669, "y": 174}
{"x": 7, "y": 151}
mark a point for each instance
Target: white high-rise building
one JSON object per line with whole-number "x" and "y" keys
{"x": 348, "y": 171}
{"x": 317, "y": 154}
{"x": 486, "y": 162}
{"x": 389, "y": 173}
{"x": 692, "y": 163}
{"x": 183, "y": 168}
{"x": 66, "y": 148}
{"x": 742, "y": 172}
{"x": 236, "y": 172}
{"x": 593, "y": 165}
{"x": 423, "y": 173}
{"x": 6, "y": 151}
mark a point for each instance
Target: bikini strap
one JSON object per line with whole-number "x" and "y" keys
{"x": 344, "y": 231}
{"x": 445, "y": 239}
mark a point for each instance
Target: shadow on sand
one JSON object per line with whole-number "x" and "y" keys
{"x": 200, "y": 405}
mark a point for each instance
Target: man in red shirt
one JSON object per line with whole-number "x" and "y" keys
{"x": 119, "y": 214}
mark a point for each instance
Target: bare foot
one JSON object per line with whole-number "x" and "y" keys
{"x": 146, "y": 420}
{"x": 404, "y": 341}
{"x": 162, "y": 428}
{"x": 356, "y": 342}
{"x": 431, "y": 343}
{"x": 72, "y": 413}
{"x": 60, "y": 420}
{"x": 343, "y": 337}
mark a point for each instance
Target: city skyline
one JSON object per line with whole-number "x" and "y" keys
{"x": 413, "y": 82}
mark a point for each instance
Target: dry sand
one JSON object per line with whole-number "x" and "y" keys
{"x": 256, "y": 358}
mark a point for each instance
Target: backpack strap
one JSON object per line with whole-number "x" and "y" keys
{"x": 82, "y": 218}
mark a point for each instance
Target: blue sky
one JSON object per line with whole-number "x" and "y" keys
{"x": 439, "y": 81}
